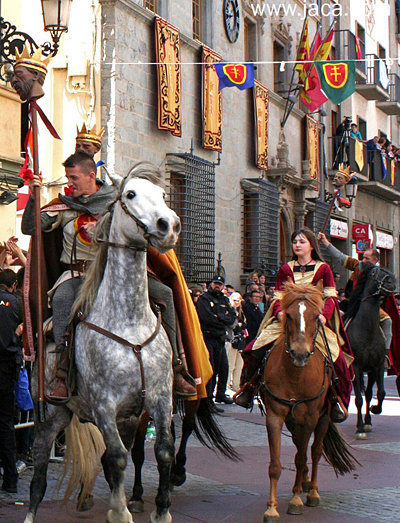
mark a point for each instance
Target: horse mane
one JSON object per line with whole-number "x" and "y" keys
{"x": 293, "y": 292}
{"x": 354, "y": 301}
{"x": 95, "y": 273}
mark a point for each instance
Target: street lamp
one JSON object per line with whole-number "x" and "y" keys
{"x": 55, "y": 16}
{"x": 350, "y": 192}
{"x": 56, "y": 19}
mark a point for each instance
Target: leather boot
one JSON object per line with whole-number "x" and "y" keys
{"x": 61, "y": 393}
{"x": 244, "y": 396}
{"x": 338, "y": 412}
{"x": 184, "y": 384}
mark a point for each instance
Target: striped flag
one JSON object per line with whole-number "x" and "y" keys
{"x": 393, "y": 172}
{"x": 358, "y": 47}
{"x": 325, "y": 48}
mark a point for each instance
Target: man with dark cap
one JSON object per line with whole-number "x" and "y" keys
{"x": 216, "y": 314}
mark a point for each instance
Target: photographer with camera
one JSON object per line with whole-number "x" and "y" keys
{"x": 341, "y": 141}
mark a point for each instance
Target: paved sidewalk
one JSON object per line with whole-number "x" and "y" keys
{"x": 219, "y": 491}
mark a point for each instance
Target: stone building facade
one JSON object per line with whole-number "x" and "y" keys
{"x": 105, "y": 74}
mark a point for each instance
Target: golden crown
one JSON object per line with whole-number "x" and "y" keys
{"x": 35, "y": 61}
{"x": 345, "y": 172}
{"x": 89, "y": 135}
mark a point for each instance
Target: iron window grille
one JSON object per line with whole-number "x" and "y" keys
{"x": 197, "y": 22}
{"x": 151, "y": 4}
{"x": 192, "y": 196}
{"x": 260, "y": 226}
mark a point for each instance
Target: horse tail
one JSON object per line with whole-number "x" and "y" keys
{"x": 210, "y": 434}
{"x": 336, "y": 452}
{"x": 84, "y": 449}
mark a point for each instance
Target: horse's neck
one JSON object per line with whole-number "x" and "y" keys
{"x": 124, "y": 283}
{"x": 368, "y": 312}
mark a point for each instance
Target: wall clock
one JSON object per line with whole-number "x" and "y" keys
{"x": 232, "y": 19}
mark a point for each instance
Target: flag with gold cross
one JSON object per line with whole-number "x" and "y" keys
{"x": 338, "y": 79}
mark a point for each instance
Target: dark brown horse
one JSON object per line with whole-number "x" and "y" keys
{"x": 296, "y": 384}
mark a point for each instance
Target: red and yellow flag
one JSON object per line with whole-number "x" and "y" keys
{"x": 325, "y": 48}
{"x": 358, "y": 47}
{"x": 303, "y": 54}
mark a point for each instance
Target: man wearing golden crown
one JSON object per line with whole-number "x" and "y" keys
{"x": 29, "y": 74}
{"x": 88, "y": 141}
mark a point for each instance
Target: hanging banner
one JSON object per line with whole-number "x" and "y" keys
{"x": 212, "y": 102}
{"x": 312, "y": 134}
{"x": 261, "y": 117}
{"x": 168, "y": 46}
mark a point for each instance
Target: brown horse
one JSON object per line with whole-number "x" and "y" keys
{"x": 296, "y": 384}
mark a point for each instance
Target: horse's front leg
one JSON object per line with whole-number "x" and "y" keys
{"x": 57, "y": 419}
{"x": 301, "y": 437}
{"x": 380, "y": 382}
{"x": 313, "y": 497}
{"x": 368, "y": 398}
{"x": 274, "y": 428}
{"x": 360, "y": 433}
{"x": 164, "y": 451}
{"x": 114, "y": 461}
{"x": 136, "y": 504}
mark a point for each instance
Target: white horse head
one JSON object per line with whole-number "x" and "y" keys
{"x": 141, "y": 200}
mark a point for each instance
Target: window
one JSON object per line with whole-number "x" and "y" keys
{"x": 362, "y": 127}
{"x": 197, "y": 19}
{"x": 334, "y": 126}
{"x": 381, "y": 52}
{"x": 260, "y": 225}
{"x": 192, "y": 196}
{"x": 279, "y": 76}
{"x": 360, "y": 32}
{"x": 151, "y": 4}
{"x": 250, "y": 41}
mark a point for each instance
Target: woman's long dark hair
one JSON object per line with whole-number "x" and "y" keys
{"x": 315, "y": 253}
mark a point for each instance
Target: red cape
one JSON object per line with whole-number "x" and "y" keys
{"x": 389, "y": 306}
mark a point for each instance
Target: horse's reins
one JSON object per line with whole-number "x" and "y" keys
{"x": 378, "y": 288}
{"x": 292, "y": 403}
{"x": 136, "y": 347}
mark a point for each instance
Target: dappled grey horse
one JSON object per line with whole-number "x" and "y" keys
{"x": 111, "y": 383}
{"x": 367, "y": 339}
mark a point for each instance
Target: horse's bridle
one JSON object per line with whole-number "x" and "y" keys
{"x": 293, "y": 403}
{"x": 380, "y": 287}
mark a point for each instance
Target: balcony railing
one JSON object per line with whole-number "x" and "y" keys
{"x": 392, "y": 106}
{"x": 373, "y": 87}
{"x": 377, "y": 171}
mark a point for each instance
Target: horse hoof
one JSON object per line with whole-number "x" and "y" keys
{"x": 271, "y": 516}
{"x": 375, "y": 409}
{"x": 361, "y": 435}
{"x": 113, "y": 518}
{"x": 135, "y": 506}
{"x": 367, "y": 428}
{"x": 178, "y": 479}
{"x": 312, "y": 501}
{"x": 295, "y": 510}
{"x": 88, "y": 504}
{"x": 165, "y": 518}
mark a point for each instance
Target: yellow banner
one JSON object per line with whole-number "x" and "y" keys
{"x": 212, "y": 102}
{"x": 359, "y": 152}
{"x": 312, "y": 132}
{"x": 168, "y": 45}
{"x": 261, "y": 114}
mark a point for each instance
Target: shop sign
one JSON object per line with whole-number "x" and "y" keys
{"x": 339, "y": 229}
{"x": 384, "y": 240}
{"x": 362, "y": 236}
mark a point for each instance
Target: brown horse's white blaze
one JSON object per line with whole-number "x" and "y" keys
{"x": 301, "y": 328}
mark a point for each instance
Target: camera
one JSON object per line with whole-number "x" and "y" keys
{"x": 347, "y": 122}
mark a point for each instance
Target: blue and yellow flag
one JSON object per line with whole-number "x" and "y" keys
{"x": 235, "y": 75}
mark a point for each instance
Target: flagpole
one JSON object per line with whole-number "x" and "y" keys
{"x": 288, "y": 111}
{"x": 335, "y": 194}
{"x": 37, "y": 250}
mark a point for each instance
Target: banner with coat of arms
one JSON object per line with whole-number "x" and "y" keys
{"x": 168, "y": 45}
{"x": 261, "y": 117}
{"x": 212, "y": 102}
{"x": 312, "y": 140}
{"x": 338, "y": 79}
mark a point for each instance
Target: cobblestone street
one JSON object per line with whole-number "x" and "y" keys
{"x": 219, "y": 491}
